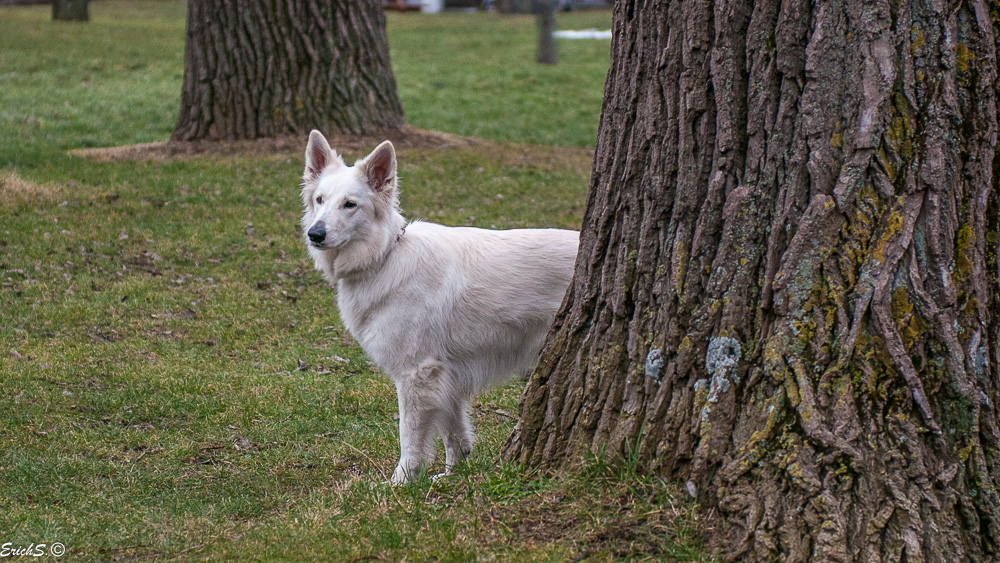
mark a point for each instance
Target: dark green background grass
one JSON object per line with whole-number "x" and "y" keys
{"x": 176, "y": 383}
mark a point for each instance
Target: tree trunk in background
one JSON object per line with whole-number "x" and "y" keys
{"x": 786, "y": 292}
{"x": 546, "y": 27}
{"x": 261, "y": 69}
{"x": 512, "y": 6}
{"x": 70, "y": 10}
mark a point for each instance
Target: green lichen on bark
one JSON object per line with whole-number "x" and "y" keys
{"x": 900, "y": 134}
{"x": 959, "y": 415}
{"x": 963, "y": 57}
{"x": 910, "y": 325}
{"x": 964, "y": 241}
{"x": 856, "y": 233}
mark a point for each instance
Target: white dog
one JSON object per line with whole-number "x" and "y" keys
{"x": 444, "y": 311}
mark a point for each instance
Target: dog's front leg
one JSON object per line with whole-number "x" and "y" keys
{"x": 417, "y": 394}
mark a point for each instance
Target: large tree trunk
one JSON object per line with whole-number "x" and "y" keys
{"x": 261, "y": 69}
{"x": 786, "y": 293}
{"x": 71, "y": 10}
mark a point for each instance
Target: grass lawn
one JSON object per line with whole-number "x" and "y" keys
{"x": 176, "y": 383}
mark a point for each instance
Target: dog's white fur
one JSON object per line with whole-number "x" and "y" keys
{"x": 444, "y": 311}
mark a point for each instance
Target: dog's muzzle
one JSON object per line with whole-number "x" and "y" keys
{"x": 317, "y": 233}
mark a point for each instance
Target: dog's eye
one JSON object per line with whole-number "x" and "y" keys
{"x": 319, "y": 200}
{"x": 349, "y": 204}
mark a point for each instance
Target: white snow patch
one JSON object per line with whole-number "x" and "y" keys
{"x": 583, "y": 34}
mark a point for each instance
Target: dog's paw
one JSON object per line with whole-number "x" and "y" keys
{"x": 400, "y": 477}
{"x": 440, "y": 476}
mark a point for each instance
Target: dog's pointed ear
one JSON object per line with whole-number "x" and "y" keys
{"x": 380, "y": 168}
{"x": 319, "y": 156}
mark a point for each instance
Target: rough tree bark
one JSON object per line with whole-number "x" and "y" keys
{"x": 71, "y": 10}
{"x": 786, "y": 293}
{"x": 261, "y": 69}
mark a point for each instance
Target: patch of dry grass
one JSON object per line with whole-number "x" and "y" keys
{"x": 16, "y": 191}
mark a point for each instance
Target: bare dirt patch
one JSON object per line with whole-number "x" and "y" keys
{"x": 407, "y": 137}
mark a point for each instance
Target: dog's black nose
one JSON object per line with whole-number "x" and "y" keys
{"x": 317, "y": 232}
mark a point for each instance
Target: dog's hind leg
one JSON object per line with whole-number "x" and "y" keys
{"x": 456, "y": 432}
{"x": 419, "y": 395}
